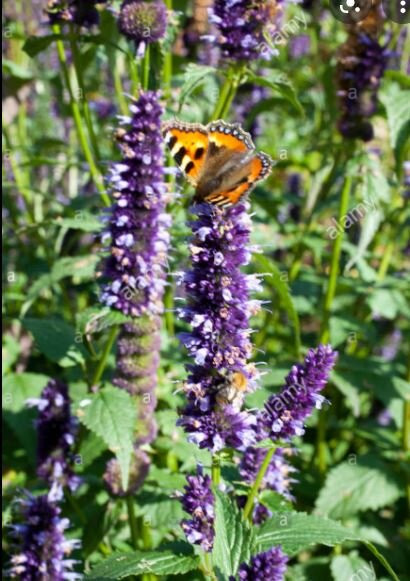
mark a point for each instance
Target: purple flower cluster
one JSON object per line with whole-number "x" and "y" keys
{"x": 75, "y": 11}
{"x": 362, "y": 62}
{"x": 138, "y": 230}
{"x": 270, "y": 565}
{"x": 138, "y": 225}
{"x": 41, "y": 544}
{"x": 218, "y": 310}
{"x": 142, "y": 22}
{"x": 242, "y": 26}
{"x": 56, "y": 429}
{"x": 198, "y": 501}
{"x": 285, "y": 413}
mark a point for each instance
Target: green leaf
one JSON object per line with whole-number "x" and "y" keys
{"x": 159, "y": 509}
{"x": 351, "y": 488}
{"x": 384, "y": 302}
{"x": 55, "y": 339}
{"x": 122, "y": 565}
{"x": 111, "y": 414}
{"x": 279, "y": 82}
{"x": 296, "y": 531}
{"x": 374, "y": 193}
{"x": 19, "y": 387}
{"x": 82, "y": 221}
{"x": 233, "y": 537}
{"x": 34, "y": 45}
{"x": 16, "y": 70}
{"x": 194, "y": 76}
{"x": 277, "y": 282}
{"x": 79, "y": 267}
{"x": 97, "y": 319}
{"x": 397, "y": 104}
{"x": 349, "y": 390}
{"x": 401, "y": 78}
{"x": 349, "y": 567}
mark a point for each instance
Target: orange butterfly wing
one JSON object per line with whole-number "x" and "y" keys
{"x": 188, "y": 143}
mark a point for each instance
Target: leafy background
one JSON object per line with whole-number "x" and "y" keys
{"x": 351, "y": 468}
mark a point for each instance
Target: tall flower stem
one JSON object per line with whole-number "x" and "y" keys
{"x": 216, "y": 469}
{"x": 99, "y": 370}
{"x": 327, "y": 309}
{"x": 248, "y": 509}
{"x": 406, "y": 433}
{"x": 228, "y": 92}
{"x": 94, "y": 171}
{"x": 18, "y": 174}
{"x": 335, "y": 262}
{"x": 119, "y": 91}
{"x": 133, "y": 70}
{"x": 167, "y": 73}
{"x": 207, "y": 568}
{"x": 145, "y": 68}
{"x": 81, "y": 84}
{"x": 132, "y": 521}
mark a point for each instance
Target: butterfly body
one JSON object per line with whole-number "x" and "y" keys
{"x": 219, "y": 159}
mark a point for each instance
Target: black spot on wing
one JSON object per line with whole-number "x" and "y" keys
{"x": 180, "y": 154}
{"x": 199, "y": 153}
{"x": 172, "y": 141}
{"x": 189, "y": 167}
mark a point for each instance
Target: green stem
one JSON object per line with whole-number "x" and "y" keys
{"x": 132, "y": 521}
{"x": 81, "y": 84}
{"x": 385, "y": 261}
{"x": 94, "y": 171}
{"x": 223, "y": 95}
{"x": 381, "y": 560}
{"x": 216, "y": 470}
{"x": 18, "y": 175}
{"x": 104, "y": 357}
{"x": 119, "y": 91}
{"x": 135, "y": 81}
{"x": 406, "y": 433}
{"x": 167, "y": 72}
{"x": 321, "y": 443}
{"x": 335, "y": 261}
{"x": 207, "y": 567}
{"x": 145, "y": 65}
{"x": 248, "y": 510}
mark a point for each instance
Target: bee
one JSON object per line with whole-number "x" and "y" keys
{"x": 232, "y": 391}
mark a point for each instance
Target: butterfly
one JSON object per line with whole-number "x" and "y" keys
{"x": 219, "y": 159}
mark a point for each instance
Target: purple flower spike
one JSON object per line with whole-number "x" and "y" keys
{"x": 218, "y": 310}
{"x": 56, "y": 429}
{"x": 143, "y": 22}
{"x": 362, "y": 62}
{"x": 198, "y": 501}
{"x": 270, "y": 565}
{"x": 285, "y": 413}
{"x": 138, "y": 225}
{"x": 242, "y": 26}
{"x": 43, "y": 548}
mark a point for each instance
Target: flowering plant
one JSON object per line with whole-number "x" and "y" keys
{"x": 206, "y": 304}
